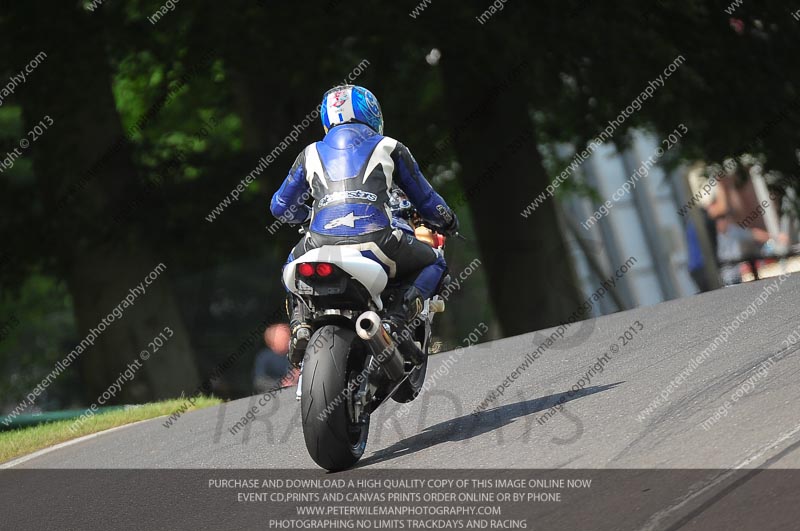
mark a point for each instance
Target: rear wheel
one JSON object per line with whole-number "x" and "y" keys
{"x": 329, "y": 375}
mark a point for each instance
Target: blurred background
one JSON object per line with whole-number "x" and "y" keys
{"x": 141, "y": 117}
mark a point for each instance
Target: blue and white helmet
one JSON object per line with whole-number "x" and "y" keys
{"x": 351, "y": 103}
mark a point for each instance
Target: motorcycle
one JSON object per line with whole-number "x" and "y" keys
{"x": 352, "y": 364}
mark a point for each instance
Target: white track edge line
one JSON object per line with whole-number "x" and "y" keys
{"x": 699, "y": 489}
{"x": 25, "y": 458}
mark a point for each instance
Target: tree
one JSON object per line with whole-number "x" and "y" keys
{"x": 83, "y": 165}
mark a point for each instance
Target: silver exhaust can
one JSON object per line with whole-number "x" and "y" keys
{"x": 383, "y": 348}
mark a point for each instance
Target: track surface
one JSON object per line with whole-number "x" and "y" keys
{"x": 598, "y": 427}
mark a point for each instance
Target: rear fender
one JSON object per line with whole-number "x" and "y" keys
{"x": 367, "y": 272}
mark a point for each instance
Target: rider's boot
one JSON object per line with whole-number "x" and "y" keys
{"x": 399, "y": 321}
{"x": 300, "y": 329}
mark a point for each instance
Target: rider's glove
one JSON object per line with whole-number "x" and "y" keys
{"x": 450, "y": 228}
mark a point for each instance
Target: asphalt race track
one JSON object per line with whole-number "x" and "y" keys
{"x": 710, "y": 452}
{"x": 600, "y": 426}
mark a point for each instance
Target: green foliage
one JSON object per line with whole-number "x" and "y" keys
{"x": 269, "y": 63}
{"x": 43, "y": 335}
{"x": 24, "y": 441}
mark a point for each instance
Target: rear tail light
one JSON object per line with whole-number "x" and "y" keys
{"x": 305, "y": 269}
{"x": 324, "y": 270}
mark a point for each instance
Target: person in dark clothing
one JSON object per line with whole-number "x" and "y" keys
{"x": 271, "y": 368}
{"x": 696, "y": 261}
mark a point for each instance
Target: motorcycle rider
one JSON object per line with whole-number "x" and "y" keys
{"x": 349, "y": 175}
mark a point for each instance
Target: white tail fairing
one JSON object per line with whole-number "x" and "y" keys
{"x": 366, "y": 271}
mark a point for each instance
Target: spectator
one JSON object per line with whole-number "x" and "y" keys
{"x": 697, "y": 269}
{"x": 741, "y": 227}
{"x": 702, "y": 273}
{"x": 271, "y": 368}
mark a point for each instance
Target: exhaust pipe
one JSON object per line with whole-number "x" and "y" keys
{"x": 383, "y": 348}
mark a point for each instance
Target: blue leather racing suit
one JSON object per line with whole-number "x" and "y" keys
{"x": 349, "y": 175}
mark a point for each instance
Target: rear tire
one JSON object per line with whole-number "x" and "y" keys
{"x": 332, "y": 440}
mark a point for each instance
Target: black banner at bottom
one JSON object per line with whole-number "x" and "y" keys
{"x": 400, "y": 499}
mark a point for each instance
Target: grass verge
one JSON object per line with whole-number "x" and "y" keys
{"x": 23, "y": 441}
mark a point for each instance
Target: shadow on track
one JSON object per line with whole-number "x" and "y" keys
{"x": 472, "y": 425}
